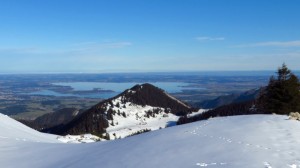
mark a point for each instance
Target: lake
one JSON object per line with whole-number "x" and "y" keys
{"x": 170, "y": 87}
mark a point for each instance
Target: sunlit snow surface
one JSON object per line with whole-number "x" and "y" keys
{"x": 256, "y": 141}
{"x": 84, "y": 138}
{"x": 135, "y": 119}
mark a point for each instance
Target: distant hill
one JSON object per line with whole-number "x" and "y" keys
{"x": 62, "y": 116}
{"x": 243, "y": 108}
{"x": 139, "y": 109}
{"x": 229, "y": 99}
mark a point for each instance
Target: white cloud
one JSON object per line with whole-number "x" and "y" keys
{"x": 106, "y": 45}
{"x": 205, "y": 38}
{"x": 295, "y": 43}
{"x": 19, "y": 50}
{"x": 84, "y": 47}
{"x": 114, "y": 45}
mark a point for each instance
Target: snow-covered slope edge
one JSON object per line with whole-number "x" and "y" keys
{"x": 252, "y": 141}
{"x": 13, "y": 130}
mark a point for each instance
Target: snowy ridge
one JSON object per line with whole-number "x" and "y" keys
{"x": 200, "y": 111}
{"x": 132, "y": 118}
{"x": 178, "y": 101}
{"x": 251, "y": 141}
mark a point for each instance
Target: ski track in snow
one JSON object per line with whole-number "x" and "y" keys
{"x": 211, "y": 164}
{"x": 267, "y": 165}
{"x": 286, "y": 132}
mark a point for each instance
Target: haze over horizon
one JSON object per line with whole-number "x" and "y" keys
{"x": 148, "y": 36}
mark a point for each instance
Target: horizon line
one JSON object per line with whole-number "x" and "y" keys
{"x": 142, "y": 72}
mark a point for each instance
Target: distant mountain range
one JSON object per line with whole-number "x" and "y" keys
{"x": 230, "y": 105}
{"x": 139, "y": 109}
{"x": 229, "y": 99}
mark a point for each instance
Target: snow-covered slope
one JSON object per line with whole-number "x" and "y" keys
{"x": 13, "y": 130}
{"x": 139, "y": 109}
{"x": 252, "y": 141}
{"x": 133, "y": 118}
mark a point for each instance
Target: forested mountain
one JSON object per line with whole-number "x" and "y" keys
{"x": 141, "y": 108}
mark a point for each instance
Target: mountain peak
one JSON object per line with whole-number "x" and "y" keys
{"x": 141, "y": 86}
{"x": 148, "y": 94}
{"x": 142, "y": 108}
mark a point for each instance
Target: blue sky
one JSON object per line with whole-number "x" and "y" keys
{"x": 148, "y": 35}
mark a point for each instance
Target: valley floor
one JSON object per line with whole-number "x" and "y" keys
{"x": 252, "y": 141}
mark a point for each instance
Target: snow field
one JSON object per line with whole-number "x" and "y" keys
{"x": 253, "y": 141}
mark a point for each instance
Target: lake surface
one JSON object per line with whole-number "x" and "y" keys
{"x": 170, "y": 87}
{"x": 90, "y": 95}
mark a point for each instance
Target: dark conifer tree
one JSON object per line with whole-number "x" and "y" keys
{"x": 282, "y": 95}
{"x": 283, "y": 73}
